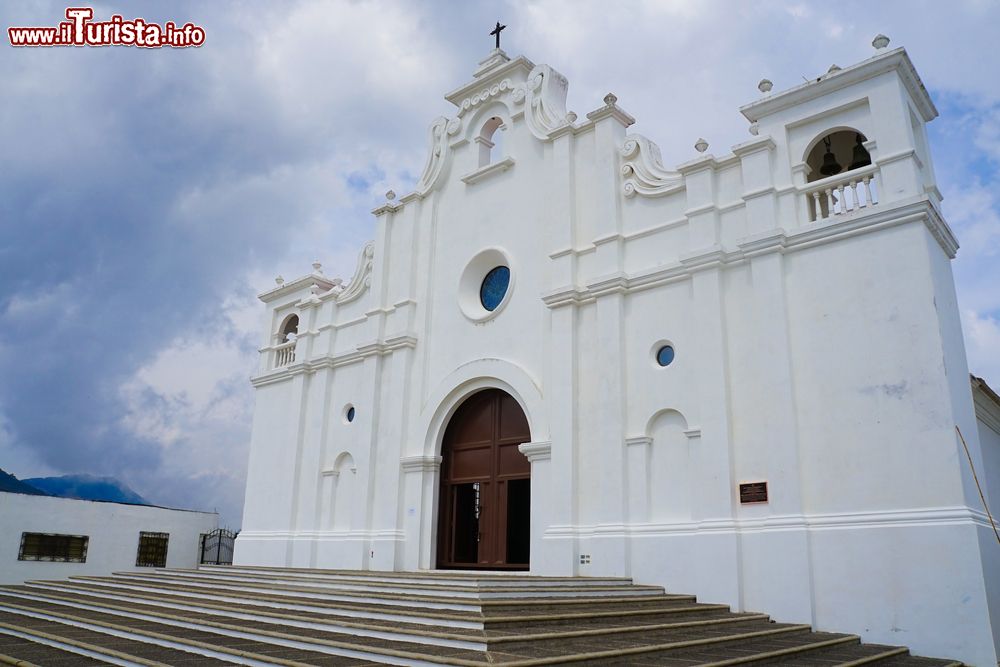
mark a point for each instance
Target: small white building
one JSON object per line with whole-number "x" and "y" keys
{"x": 44, "y": 537}
{"x": 738, "y": 377}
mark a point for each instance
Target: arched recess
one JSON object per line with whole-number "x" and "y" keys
{"x": 475, "y": 376}
{"x": 441, "y": 405}
{"x": 490, "y": 140}
{"x": 343, "y": 476}
{"x": 488, "y": 128}
{"x": 289, "y": 325}
{"x": 844, "y": 142}
{"x": 670, "y": 467}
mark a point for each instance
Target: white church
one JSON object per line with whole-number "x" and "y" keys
{"x": 741, "y": 377}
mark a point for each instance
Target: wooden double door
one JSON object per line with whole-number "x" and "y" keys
{"x": 485, "y": 502}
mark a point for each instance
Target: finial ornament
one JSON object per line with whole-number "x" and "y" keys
{"x": 833, "y": 68}
{"x": 610, "y": 99}
{"x": 571, "y": 117}
{"x": 390, "y": 195}
{"x": 765, "y": 86}
{"x": 880, "y": 41}
{"x": 496, "y": 32}
{"x": 317, "y": 267}
{"x": 279, "y": 281}
{"x": 701, "y": 145}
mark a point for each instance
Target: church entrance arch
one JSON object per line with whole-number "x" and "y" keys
{"x": 485, "y": 494}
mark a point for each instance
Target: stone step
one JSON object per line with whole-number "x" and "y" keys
{"x": 460, "y": 619}
{"x": 438, "y": 601}
{"x": 463, "y": 638}
{"x": 225, "y": 618}
{"x": 562, "y": 612}
{"x": 51, "y": 644}
{"x": 470, "y": 589}
{"x": 235, "y": 645}
{"x": 441, "y": 578}
{"x": 576, "y": 649}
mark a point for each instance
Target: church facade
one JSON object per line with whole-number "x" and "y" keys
{"x": 739, "y": 377}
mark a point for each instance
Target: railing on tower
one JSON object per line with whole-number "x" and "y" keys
{"x": 841, "y": 194}
{"x": 284, "y": 354}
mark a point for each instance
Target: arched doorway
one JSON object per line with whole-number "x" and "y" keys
{"x": 484, "y": 516}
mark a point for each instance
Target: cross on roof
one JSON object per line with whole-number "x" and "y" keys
{"x": 496, "y": 31}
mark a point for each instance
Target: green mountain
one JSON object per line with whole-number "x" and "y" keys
{"x": 88, "y": 487}
{"x": 12, "y": 484}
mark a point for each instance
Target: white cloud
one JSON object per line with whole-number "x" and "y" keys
{"x": 194, "y": 401}
{"x": 15, "y": 457}
{"x": 982, "y": 341}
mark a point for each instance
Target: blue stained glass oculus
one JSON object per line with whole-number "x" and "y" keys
{"x": 494, "y": 287}
{"x": 665, "y": 355}
{"x": 350, "y": 414}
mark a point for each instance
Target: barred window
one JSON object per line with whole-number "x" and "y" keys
{"x": 152, "y": 550}
{"x": 53, "y": 548}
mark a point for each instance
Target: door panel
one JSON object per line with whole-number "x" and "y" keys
{"x": 484, "y": 520}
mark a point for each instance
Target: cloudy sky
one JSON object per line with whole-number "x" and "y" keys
{"x": 146, "y": 196}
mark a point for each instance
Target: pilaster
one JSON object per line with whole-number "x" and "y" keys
{"x": 557, "y": 555}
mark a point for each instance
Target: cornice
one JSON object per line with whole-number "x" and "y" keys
{"x": 359, "y": 353}
{"x": 611, "y": 110}
{"x": 536, "y": 451}
{"x": 490, "y": 169}
{"x": 921, "y": 209}
{"x": 754, "y": 146}
{"x": 299, "y": 284}
{"x": 487, "y": 78}
{"x": 420, "y": 463}
{"x": 987, "y": 403}
{"x": 897, "y": 60}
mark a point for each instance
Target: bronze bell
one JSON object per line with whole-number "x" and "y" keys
{"x": 861, "y": 156}
{"x": 830, "y": 166}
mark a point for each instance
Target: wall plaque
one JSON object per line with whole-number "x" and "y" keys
{"x": 753, "y": 492}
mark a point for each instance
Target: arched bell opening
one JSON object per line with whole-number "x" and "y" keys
{"x": 837, "y": 152}
{"x": 840, "y": 164}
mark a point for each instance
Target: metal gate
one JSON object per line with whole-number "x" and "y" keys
{"x": 217, "y": 547}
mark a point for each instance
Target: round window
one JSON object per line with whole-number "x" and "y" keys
{"x": 486, "y": 285}
{"x": 665, "y": 355}
{"x": 349, "y": 415}
{"x": 494, "y": 287}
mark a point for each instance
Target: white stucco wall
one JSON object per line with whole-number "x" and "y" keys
{"x": 821, "y": 356}
{"x": 113, "y": 529}
{"x": 988, "y": 422}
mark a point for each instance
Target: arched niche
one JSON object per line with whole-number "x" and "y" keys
{"x": 341, "y": 493}
{"x": 670, "y": 467}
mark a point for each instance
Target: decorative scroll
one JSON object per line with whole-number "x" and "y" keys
{"x": 544, "y": 99}
{"x": 362, "y": 279}
{"x": 438, "y": 140}
{"x": 483, "y": 96}
{"x": 643, "y": 171}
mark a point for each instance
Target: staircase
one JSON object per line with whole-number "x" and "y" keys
{"x": 294, "y": 617}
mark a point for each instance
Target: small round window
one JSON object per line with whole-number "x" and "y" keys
{"x": 494, "y": 287}
{"x": 349, "y": 415}
{"x": 665, "y": 355}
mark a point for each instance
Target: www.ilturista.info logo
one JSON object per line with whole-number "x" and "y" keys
{"x": 80, "y": 30}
